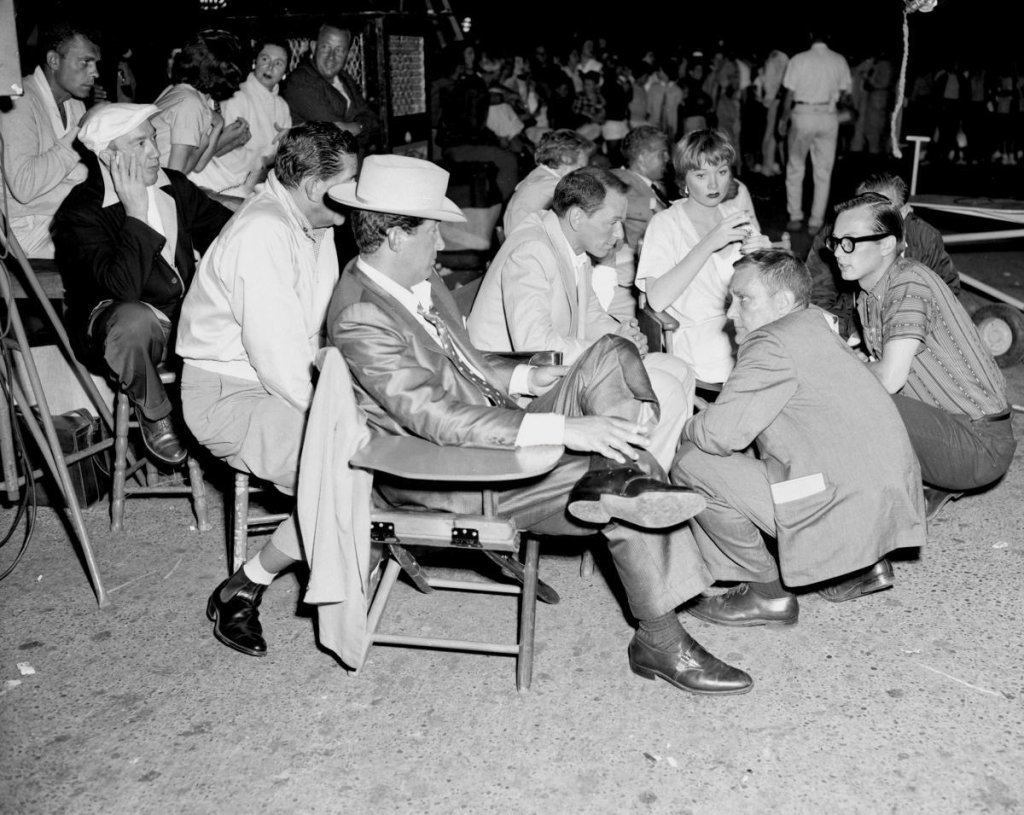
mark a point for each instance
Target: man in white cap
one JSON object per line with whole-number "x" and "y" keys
{"x": 41, "y": 165}
{"x": 126, "y": 243}
{"x": 250, "y": 327}
{"x": 417, "y": 373}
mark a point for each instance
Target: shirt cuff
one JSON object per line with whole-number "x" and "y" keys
{"x": 519, "y": 383}
{"x": 541, "y": 428}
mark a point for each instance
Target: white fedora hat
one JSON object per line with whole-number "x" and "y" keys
{"x": 400, "y": 185}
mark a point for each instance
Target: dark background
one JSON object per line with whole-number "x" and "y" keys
{"x": 978, "y": 31}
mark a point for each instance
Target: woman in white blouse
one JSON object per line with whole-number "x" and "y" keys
{"x": 688, "y": 251}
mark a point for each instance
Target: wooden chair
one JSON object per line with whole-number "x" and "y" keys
{"x": 123, "y": 470}
{"x": 243, "y": 523}
{"x": 422, "y": 461}
{"x": 657, "y": 327}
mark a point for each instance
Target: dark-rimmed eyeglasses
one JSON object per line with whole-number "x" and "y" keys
{"x": 848, "y": 243}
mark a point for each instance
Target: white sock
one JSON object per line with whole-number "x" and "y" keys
{"x": 256, "y": 573}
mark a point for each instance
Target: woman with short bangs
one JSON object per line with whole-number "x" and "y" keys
{"x": 689, "y": 250}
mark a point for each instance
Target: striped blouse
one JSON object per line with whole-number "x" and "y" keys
{"x": 953, "y": 369}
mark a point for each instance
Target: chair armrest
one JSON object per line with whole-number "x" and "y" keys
{"x": 421, "y": 460}
{"x": 665, "y": 320}
{"x": 656, "y": 326}
{"x": 531, "y": 357}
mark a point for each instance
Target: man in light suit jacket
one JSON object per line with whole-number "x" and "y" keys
{"x": 836, "y": 482}
{"x": 538, "y": 295}
{"x": 417, "y": 373}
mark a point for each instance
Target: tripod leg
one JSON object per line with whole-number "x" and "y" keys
{"x": 58, "y": 466}
{"x": 32, "y": 283}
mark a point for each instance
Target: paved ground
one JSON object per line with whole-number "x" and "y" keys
{"x": 906, "y": 701}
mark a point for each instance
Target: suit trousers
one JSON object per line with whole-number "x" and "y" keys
{"x": 132, "y": 342}
{"x": 242, "y": 423}
{"x": 813, "y": 131}
{"x": 659, "y": 570}
{"x": 956, "y": 453}
{"x": 740, "y": 508}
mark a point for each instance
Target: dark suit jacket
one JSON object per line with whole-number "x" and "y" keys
{"x": 642, "y": 203}
{"x": 105, "y": 255}
{"x": 813, "y": 407}
{"x": 311, "y": 98}
{"x": 404, "y": 380}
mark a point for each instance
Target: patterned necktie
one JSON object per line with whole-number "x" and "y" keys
{"x": 444, "y": 336}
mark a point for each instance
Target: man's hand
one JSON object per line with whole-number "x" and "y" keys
{"x": 544, "y": 377}
{"x": 630, "y": 329}
{"x": 126, "y": 173}
{"x": 613, "y": 438}
{"x": 350, "y": 127}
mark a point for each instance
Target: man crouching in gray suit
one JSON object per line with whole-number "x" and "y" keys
{"x": 417, "y": 374}
{"x": 835, "y": 480}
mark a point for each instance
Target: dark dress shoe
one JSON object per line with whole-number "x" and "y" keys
{"x": 236, "y": 623}
{"x": 634, "y": 497}
{"x": 935, "y": 499}
{"x": 740, "y": 606}
{"x": 161, "y": 440}
{"x": 688, "y": 667}
{"x": 866, "y": 581}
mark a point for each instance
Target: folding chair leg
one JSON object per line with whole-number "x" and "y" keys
{"x": 198, "y": 485}
{"x": 117, "y": 493}
{"x": 528, "y": 616}
{"x": 240, "y": 523}
{"x": 380, "y": 600}
{"x": 587, "y": 564}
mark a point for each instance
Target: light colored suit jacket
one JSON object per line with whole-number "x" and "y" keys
{"x": 404, "y": 380}
{"x": 529, "y": 299}
{"x": 333, "y": 506}
{"x": 533, "y": 194}
{"x": 813, "y": 408}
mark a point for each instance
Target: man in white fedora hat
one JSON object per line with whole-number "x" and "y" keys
{"x": 417, "y": 373}
{"x": 250, "y": 328}
{"x": 126, "y": 243}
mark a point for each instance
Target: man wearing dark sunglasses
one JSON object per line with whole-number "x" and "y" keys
{"x": 926, "y": 352}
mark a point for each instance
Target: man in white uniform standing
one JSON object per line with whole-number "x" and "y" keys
{"x": 815, "y": 81}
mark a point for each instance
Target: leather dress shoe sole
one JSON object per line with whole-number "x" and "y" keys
{"x": 648, "y": 510}
{"x": 695, "y": 655}
{"x": 747, "y": 622}
{"x": 213, "y": 614}
{"x": 877, "y": 578}
{"x": 653, "y": 673}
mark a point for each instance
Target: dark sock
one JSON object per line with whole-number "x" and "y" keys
{"x": 664, "y": 632}
{"x": 770, "y": 590}
{"x": 235, "y": 582}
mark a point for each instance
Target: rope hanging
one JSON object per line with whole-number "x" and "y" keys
{"x": 901, "y": 87}
{"x": 909, "y": 6}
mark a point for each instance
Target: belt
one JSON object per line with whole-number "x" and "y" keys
{"x": 995, "y": 417}
{"x": 814, "y": 104}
